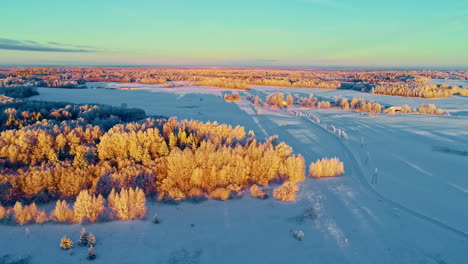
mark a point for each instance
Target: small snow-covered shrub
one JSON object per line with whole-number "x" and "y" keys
{"x": 221, "y": 194}
{"x": 66, "y": 243}
{"x": 430, "y": 109}
{"x": 257, "y": 192}
{"x": 156, "y": 219}
{"x": 323, "y": 104}
{"x": 299, "y": 235}
{"x": 276, "y": 99}
{"x": 232, "y": 97}
{"x": 390, "y": 111}
{"x": 286, "y": 192}
{"x": 427, "y": 109}
{"x": 405, "y": 109}
{"x": 326, "y": 168}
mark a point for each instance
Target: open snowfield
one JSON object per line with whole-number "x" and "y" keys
{"x": 417, "y": 212}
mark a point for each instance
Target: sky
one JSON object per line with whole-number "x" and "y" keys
{"x": 235, "y": 33}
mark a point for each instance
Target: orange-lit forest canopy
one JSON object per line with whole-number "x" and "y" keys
{"x": 50, "y": 151}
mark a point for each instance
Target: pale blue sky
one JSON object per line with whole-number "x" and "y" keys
{"x": 254, "y": 32}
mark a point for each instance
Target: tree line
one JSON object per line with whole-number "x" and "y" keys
{"x": 276, "y": 101}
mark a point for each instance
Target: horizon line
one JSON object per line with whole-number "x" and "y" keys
{"x": 281, "y": 67}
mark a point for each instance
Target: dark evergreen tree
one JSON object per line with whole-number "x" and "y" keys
{"x": 91, "y": 240}
{"x": 91, "y": 252}
{"x": 156, "y": 219}
{"x": 83, "y": 238}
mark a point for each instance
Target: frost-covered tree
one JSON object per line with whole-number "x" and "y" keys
{"x": 28, "y": 213}
{"x": 91, "y": 240}
{"x": 62, "y": 212}
{"x": 286, "y": 192}
{"x": 88, "y": 206}
{"x": 326, "y": 168}
{"x": 299, "y": 235}
{"x": 156, "y": 219}
{"x": 66, "y": 243}
{"x": 91, "y": 252}
{"x": 257, "y": 192}
{"x": 128, "y": 204}
{"x": 83, "y": 241}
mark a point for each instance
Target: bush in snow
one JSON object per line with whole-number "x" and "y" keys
{"x": 390, "y": 111}
{"x": 257, "y": 192}
{"x": 232, "y": 97}
{"x": 405, "y": 109}
{"x": 299, "y": 235}
{"x": 66, "y": 243}
{"x": 156, "y": 219}
{"x": 220, "y": 193}
{"x": 326, "y": 168}
{"x": 276, "y": 99}
{"x": 286, "y": 192}
{"x": 430, "y": 109}
{"x": 323, "y": 104}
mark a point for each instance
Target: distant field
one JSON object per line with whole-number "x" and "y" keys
{"x": 462, "y": 83}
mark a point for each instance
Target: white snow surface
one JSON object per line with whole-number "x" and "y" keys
{"x": 417, "y": 212}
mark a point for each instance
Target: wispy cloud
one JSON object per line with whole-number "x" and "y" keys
{"x": 51, "y": 46}
{"x": 69, "y": 45}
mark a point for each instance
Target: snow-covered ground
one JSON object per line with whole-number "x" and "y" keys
{"x": 417, "y": 212}
{"x": 462, "y": 83}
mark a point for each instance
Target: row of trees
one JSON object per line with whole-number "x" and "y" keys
{"x": 18, "y": 91}
{"x": 224, "y": 83}
{"x": 128, "y": 204}
{"x": 17, "y": 113}
{"x": 279, "y": 100}
{"x": 419, "y": 90}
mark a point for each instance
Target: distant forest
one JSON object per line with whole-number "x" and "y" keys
{"x": 395, "y": 83}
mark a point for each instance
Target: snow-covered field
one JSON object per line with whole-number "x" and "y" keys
{"x": 417, "y": 212}
{"x": 462, "y": 83}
